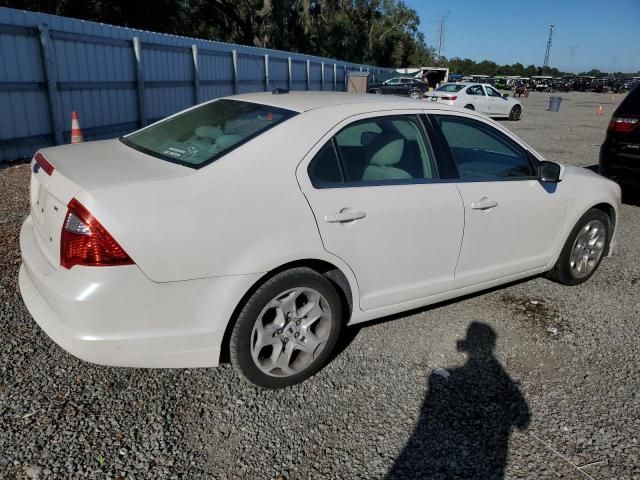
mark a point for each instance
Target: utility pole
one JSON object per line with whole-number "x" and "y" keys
{"x": 545, "y": 65}
{"x": 442, "y": 28}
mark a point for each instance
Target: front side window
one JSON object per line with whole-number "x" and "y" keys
{"x": 205, "y": 133}
{"x": 492, "y": 92}
{"x": 377, "y": 150}
{"x": 481, "y": 152}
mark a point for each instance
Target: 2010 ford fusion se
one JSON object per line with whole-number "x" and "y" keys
{"x": 261, "y": 224}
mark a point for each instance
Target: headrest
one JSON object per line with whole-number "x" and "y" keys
{"x": 207, "y": 131}
{"x": 225, "y": 141}
{"x": 388, "y": 155}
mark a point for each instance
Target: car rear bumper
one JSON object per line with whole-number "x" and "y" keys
{"x": 116, "y": 316}
{"x": 623, "y": 167}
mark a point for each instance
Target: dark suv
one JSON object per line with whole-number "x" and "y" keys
{"x": 411, "y": 87}
{"x": 620, "y": 152}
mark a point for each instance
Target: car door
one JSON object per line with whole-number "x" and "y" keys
{"x": 513, "y": 222}
{"x": 478, "y": 98}
{"x": 498, "y": 105}
{"x": 374, "y": 190}
{"x": 392, "y": 86}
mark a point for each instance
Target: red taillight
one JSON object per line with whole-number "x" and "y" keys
{"x": 44, "y": 163}
{"x": 86, "y": 242}
{"x": 623, "y": 124}
{"x": 452, "y": 97}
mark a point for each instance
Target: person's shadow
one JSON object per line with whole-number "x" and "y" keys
{"x": 466, "y": 418}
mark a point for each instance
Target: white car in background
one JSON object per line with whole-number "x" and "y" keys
{"x": 480, "y": 97}
{"x": 260, "y": 225}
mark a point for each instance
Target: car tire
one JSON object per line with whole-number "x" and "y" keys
{"x": 584, "y": 249}
{"x": 470, "y": 107}
{"x": 375, "y": 91}
{"x": 415, "y": 94}
{"x": 274, "y": 343}
{"x": 515, "y": 113}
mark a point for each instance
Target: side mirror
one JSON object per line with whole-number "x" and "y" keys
{"x": 505, "y": 95}
{"x": 549, "y": 172}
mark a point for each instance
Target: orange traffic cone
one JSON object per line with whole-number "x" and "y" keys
{"x": 600, "y": 110}
{"x": 76, "y": 133}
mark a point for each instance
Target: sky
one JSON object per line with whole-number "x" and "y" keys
{"x": 516, "y": 31}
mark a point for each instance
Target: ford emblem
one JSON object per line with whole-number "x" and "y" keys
{"x": 36, "y": 167}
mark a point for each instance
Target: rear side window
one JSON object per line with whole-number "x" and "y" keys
{"x": 475, "y": 90}
{"x": 481, "y": 152}
{"x": 201, "y": 135}
{"x": 374, "y": 151}
{"x": 325, "y": 166}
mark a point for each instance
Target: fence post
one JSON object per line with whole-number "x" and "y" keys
{"x": 344, "y": 87}
{"x": 335, "y": 77}
{"x": 196, "y": 75}
{"x": 290, "y": 74}
{"x": 308, "y": 74}
{"x": 137, "y": 53}
{"x": 266, "y": 73}
{"x": 322, "y": 76}
{"x": 51, "y": 77}
{"x": 236, "y": 81}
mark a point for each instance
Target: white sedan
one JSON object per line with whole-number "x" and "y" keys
{"x": 260, "y": 225}
{"x": 480, "y": 97}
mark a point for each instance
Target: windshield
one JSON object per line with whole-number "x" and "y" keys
{"x": 450, "y": 87}
{"x": 201, "y": 135}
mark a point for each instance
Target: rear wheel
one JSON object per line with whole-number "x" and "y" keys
{"x": 470, "y": 107}
{"x": 583, "y": 250}
{"x": 375, "y": 91}
{"x": 415, "y": 94}
{"x": 515, "y": 113}
{"x": 287, "y": 329}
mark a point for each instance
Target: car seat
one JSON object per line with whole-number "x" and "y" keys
{"x": 385, "y": 156}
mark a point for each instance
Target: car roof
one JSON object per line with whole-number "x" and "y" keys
{"x": 353, "y": 102}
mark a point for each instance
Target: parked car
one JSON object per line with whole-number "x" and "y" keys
{"x": 480, "y": 97}
{"x": 260, "y": 225}
{"x": 408, "y": 87}
{"x": 620, "y": 152}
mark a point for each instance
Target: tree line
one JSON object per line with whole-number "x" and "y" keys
{"x": 384, "y": 33}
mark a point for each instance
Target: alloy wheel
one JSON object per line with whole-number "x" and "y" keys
{"x": 588, "y": 248}
{"x": 291, "y": 332}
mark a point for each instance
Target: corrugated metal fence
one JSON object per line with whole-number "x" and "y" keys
{"x": 119, "y": 79}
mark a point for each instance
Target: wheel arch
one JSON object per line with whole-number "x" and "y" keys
{"x": 334, "y": 274}
{"x": 610, "y": 212}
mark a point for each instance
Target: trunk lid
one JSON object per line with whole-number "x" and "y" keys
{"x": 87, "y": 166}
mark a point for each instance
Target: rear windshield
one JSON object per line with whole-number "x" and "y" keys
{"x": 201, "y": 135}
{"x": 450, "y": 87}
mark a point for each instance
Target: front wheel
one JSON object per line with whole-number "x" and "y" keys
{"x": 515, "y": 113}
{"x": 287, "y": 329}
{"x": 375, "y": 91}
{"x": 415, "y": 94}
{"x": 583, "y": 250}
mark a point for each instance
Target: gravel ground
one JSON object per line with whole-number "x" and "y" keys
{"x": 558, "y": 392}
